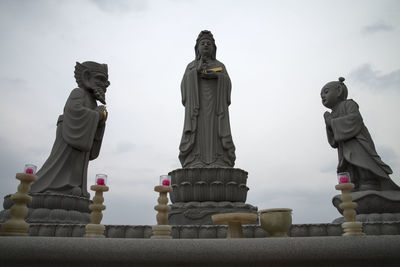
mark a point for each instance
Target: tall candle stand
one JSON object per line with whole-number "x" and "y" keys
{"x": 94, "y": 228}
{"x": 16, "y": 226}
{"x": 162, "y": 230}
{"x": 350, "y": 227}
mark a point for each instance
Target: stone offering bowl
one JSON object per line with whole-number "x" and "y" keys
{"x": 276, "y": 222}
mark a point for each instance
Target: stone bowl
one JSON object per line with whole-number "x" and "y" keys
{"x": 276, "y": 222}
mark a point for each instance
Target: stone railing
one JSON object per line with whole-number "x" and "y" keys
{"x": 209, "y": 231}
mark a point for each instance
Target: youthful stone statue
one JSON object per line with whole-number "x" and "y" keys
{"x": 206, "y": 94}
{"x": 79, "y": 134}
{"x": 356, "y": 150}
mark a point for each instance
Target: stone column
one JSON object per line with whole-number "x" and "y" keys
{"x": 162, "y": 230}
{"x": 94, "y": 228}
{"x": 350, "y": 227}
{"x": 17, "y": 226}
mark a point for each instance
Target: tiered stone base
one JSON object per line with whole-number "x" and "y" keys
{"x": 52, "y": 208}
{"x": 208, "y": 184}
{"x": 199, "y": 213}
{"x": 199, "y": 193}
{"x": 373, "y": 206}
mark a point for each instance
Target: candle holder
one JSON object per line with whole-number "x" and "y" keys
{"x": 94, "y": 228}
{"x": 162, "y": 230}
{"x": 16, "y": 226}
{"x": 350, "y": 227}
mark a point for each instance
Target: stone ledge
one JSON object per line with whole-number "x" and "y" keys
{"x": 208, "y": 231}
{"x": 316, "y": 251}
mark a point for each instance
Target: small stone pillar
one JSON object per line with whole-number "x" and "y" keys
{"x": 162, "y": 230}
{"x": 94, "y": 228}
{"x": 17, "y": 226}
{"x": 350, "y": 227}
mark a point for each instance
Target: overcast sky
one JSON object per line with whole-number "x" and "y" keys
{"x": 279, "y": 54}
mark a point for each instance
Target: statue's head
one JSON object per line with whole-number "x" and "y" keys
{"x": 333, "y": 93}
{"x": 205, "y": 45}
{"x": 93, "y": 77}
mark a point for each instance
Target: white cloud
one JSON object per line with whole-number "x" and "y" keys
{"x": 379, "y": 26}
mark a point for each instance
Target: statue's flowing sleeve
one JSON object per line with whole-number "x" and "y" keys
{"x": 356, "y": 144}
{"x": 80, "y": 122}
{"x": 347, "y": 125}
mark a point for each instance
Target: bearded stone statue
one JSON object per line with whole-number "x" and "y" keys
{"x": 79, "y": 134}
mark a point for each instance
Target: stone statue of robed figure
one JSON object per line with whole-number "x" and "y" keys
{"x": 79, "y": 134}
{"x": 346, "y": 131}
{"x": 206, "y": 94}
{"x": 207, "y": 183}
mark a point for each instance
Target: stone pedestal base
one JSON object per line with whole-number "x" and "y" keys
{"x": 208, "y": 184}
{"x": 52, "y": 208}
{"x": 373, "y": 206}
{"x": 352, "y": 228}
{"x": 234, "y": 222}
{"x": 372, "y": 201}
{"x": 199, "y": 213}
{"x": 161, "y": 232}
{"x": 95, "y": 230}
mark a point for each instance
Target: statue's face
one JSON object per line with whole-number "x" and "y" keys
{"x": 329, "y": 96}
{"x": 98, "y": 83}
{"x": 206, "y": 47}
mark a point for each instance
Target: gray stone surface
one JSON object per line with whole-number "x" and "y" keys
{"x": 347, "y": 133}
{"x": 315, "y": 251}
{"x": 199, "y": 213}
{"x": 373, "y": 217}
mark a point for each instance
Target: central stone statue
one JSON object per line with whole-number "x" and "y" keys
{"x": 206, "y": 94}
{"x": 207, "y": 183}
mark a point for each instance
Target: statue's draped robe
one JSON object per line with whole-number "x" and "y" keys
{"x": 206, "y": 139}
{"x": 78, "y": 140}
{"x": 355, "y": 146}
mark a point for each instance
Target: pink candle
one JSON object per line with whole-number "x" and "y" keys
{"x": 100, "y": 181}
{"x": 30, "y": 169}
{"x": 343, "y": 178}
{"x": 165, "y": 180}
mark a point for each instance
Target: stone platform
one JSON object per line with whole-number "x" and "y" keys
{"x": 52, "y": 208}
{"x": 199, "y": 193}
{"x": 362, "y": 251}
{"x": 373, "y": 206}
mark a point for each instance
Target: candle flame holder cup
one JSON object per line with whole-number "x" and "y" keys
{"x": 343, "y": 178}
{"x": 101, "y": 179}
{"x": 165, "y": 180}
{"x": 30, "y": 169}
